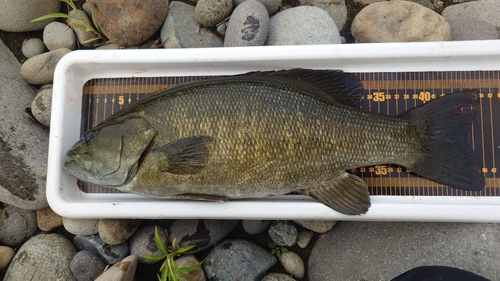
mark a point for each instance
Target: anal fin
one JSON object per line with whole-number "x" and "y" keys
{"x": 204, "y": 197}
{"x": 347, "y": 194}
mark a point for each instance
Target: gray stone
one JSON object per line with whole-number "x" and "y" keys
{"x": 39, "y": 69}
{"x": 248, "y": 26}
{"x": 318, "y": 226}
{"x": 425, "y": 3}
{"x": 121, "y": 271}
{"x": 255, "y": 226}
{"x": 6, "y": 255}
{"x": 81, "y": 226}
{"x": 472, "y": 29}
{"x": 116, "y": 231}
{"x": 211, "y": 12}
{"x": 58, "y": 35}
{"x": 277, "y": 277}
{"x": 42, "y": 105}
{"x": 142, "y": 242}
{"x": 32, "y": 47}
{"x": 23, "y": 143}
{"x": 193, "y": 275}
{"x": 87, "y": 9}
{"x": 335, "y": 8}
{"x": 304, "y": 238}
{"x": 399, "y": 21}
{"x": 85, "y": 38}
{"x": 43, "y": 257}
{"x": 129, "y": 23}
{"x": 47, "y": 220}
{"x": 246, "y": 260}
{"x": 367, "y": 2}
{"x": 304, "y": 25}
{"x": 86, "y": 266}
{"x": 202, "y": 233}
{"x": 221, "y": 29}
{"x": 110, "y": 46}
{"x": 293, "y": 264}
{"x": 110, "y": 254}
{"x": 271, "y": 5}
{"x": 358, "y": 250}
{"x": 283, "y": 233}
{"x": 15, "y": 15}
{"x": 19, "y": 225}
{"x": 181, "y": 29}
{"x": 484, "y": 10}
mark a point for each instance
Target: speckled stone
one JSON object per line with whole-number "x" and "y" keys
{"x": 19, "y": 225}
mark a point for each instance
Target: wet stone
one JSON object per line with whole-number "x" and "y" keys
{"x": 283, "y": 233}
{"x": 111, "y": 254}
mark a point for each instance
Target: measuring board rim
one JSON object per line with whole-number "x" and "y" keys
{"x": 74, "y": 70}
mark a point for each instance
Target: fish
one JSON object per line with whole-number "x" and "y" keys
{"x": 272, "y": 133}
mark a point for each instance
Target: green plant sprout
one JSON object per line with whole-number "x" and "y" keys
{"x": 169, "y": 270}
{"x": 277, "y": 250}
{"x": 71, "y": 21}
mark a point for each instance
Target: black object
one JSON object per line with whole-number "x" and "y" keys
{"x": 438, "y": 273}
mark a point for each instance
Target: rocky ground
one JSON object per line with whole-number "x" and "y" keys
{"x": 34, "y": 241}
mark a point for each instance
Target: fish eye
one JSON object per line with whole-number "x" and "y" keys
{"x": 88, "y": 137}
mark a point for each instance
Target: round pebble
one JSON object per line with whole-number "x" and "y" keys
{"x": 293, "y": 264}
{"x": 304, "y": 238}
{"x": 19, "y": 225}
{"x": 271, "y": 5}
{"x": 193, "y": 275}
{"x": 85, "y": 38}
{"x": 58, "y": 35}
{"x": 337, "y": 9}
{"x": 86, "y": 266}
{"x": 318, "y": 226}
{"x": 116, "y": 231}
{"x": 47, "y": 219}
{"x": 42, "y": 105}
{"x": 211, "y": 12}
{"x": 248, "y": 25}
{"x": 39, "y": 69}
{"x": 142, "y": 242}
{"x": 6, "y": 255}
{"x": 283, "y": 233}
{"x": 123, "y": 270}
{"x": 255, "y": 226}
{"x": 81, "y": 226}
{"x": 32, "y": 47}
{"x": 277, "y": 277}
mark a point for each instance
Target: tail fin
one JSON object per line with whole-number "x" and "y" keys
{"x": 442, "y": 127}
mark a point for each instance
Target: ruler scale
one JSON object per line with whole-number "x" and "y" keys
{"x": 385, "y": 92}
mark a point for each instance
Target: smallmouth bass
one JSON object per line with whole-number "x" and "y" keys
{"x": 271, "y": 133}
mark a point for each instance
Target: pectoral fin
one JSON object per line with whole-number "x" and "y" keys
{"x": 347, "y": 194}
{"x": 185, "y": 156}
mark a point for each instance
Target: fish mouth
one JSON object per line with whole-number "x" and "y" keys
{"x": 75, "y": 160}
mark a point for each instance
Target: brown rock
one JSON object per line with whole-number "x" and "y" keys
{"x": 47, "y": 219}
{"x": 6, "y": 255}
{"x": 129, "y": 22}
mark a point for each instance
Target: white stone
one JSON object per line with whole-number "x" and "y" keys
{"x": 57, "y": 35}
{"x": 123, "y": 270}
{"x": 32, "y": 47}
{"x": 81, "y": 226}
{"x": 293, "y": 264}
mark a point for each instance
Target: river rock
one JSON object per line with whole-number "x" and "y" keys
{"x": 58, "y": 35}
{"x": 32, "y": 47}
{"x": 335, "y": 8}
{"x": 142, "y": 242}
{"x": 43, "y": 257}
{"x": 304, "y": 25}
{"x": 277, "y": 277}
{"x": 47, "y": 219}
{"x": 304, "y": 238}
{"x": 85, "y": 38}
{"x": 121, "y": 271}
{"x": 81, "y": 226}
{"x": 202, "y": 233}
{"x": 40, "y": 69}
{"x": 484, "y": 10}
{"x": 245, "y": 260}
{"x": 181, "y": 29}
{"x": 116, "y": 231}
{"x": 19, "y": 225}
{"x": 110, "y": 254}
{"x": 6, "y": 255}
{"x": 255, "y": 226}
{"x": 193, "y": 275}
{"x": 425, "y": 3}
{"x": 248, "y": 25}
{"x": 86, "y": 266}
{"x": 15, "y": 15}
{"x": 129, "y": 22}
{"x": 283, "y": 233}
{"x": 293, "y": 264}
{"x": 271, "y": 5}
{"x": 211, "y": 12}
{"x": 23, "y": 143}
{"x": 472, "y": 29}
{"x": 399, "y": 21}
{"x": 42, "y": 105}
{"x": 318, "y": 226}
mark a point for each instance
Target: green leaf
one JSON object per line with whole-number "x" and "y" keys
{"x": 272, "y": 245}
{"x": 190, "y": 268}
{"x": 158, "y": 241}
{"x": 95, "y": 23}
{"x": 70, "y": 3}
{"x": 171, "y": 276}
{"x": 278, "y": 253}
{"x": 79, "y": 26}
{"x": 273, "y": 251}
{"x": 284, "y": 250}
{"x": 154, "y": 257}
{"x": 185, "y": 249}
{"x": 90, "y": 40}
{"x": 52, "y": 16}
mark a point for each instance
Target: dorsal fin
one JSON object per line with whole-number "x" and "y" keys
{"x": 331, "y": 85}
